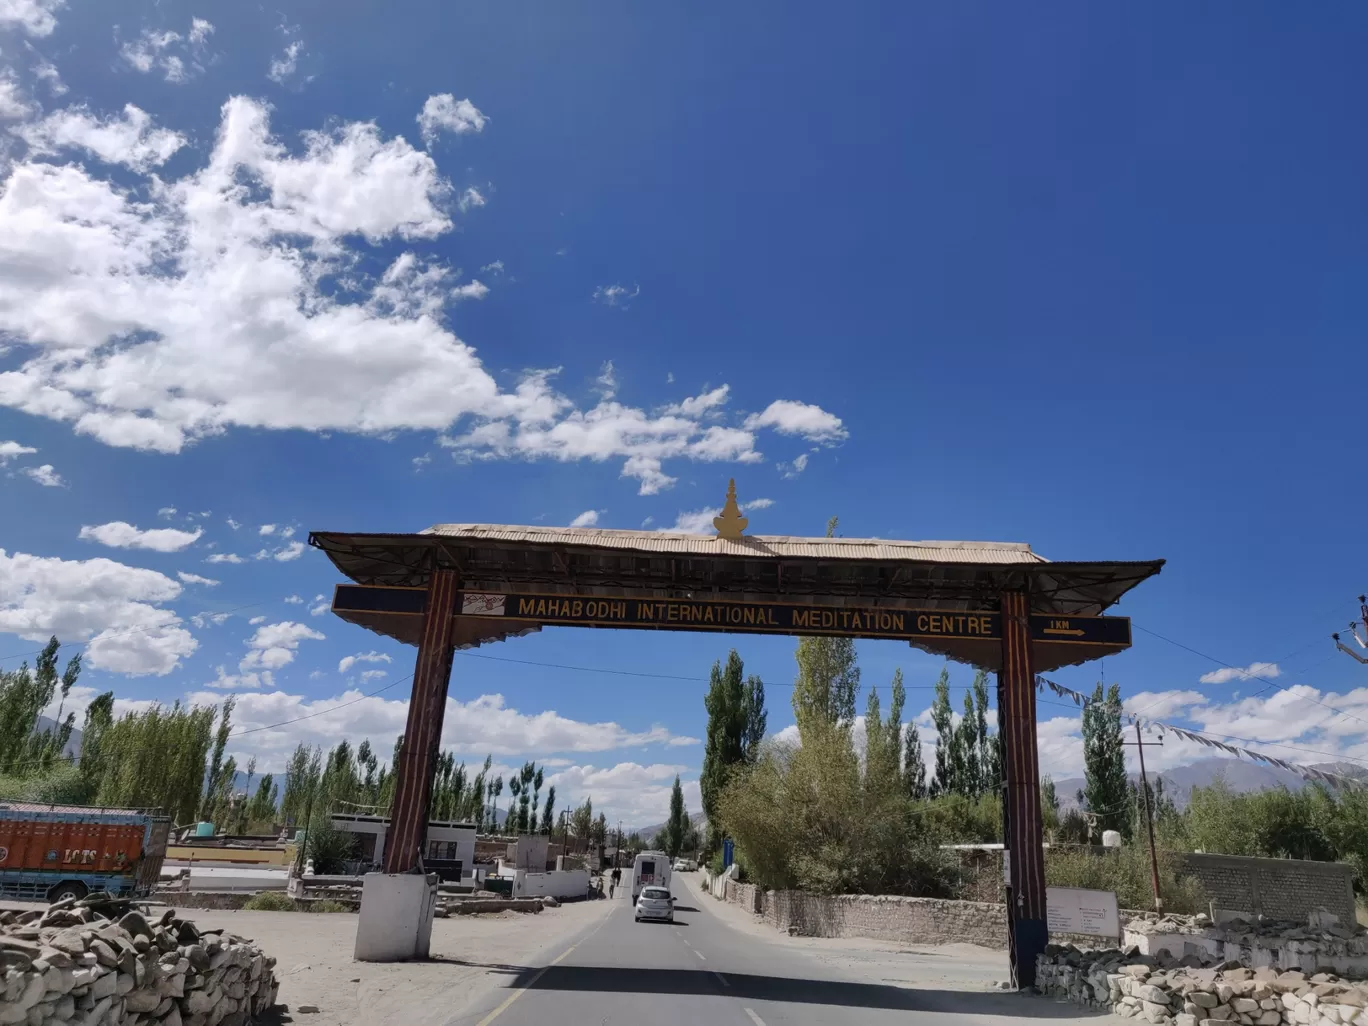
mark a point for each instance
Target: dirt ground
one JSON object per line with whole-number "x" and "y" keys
{"x": 470, "y": 956}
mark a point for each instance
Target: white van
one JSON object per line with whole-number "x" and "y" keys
{"x": 650, "y": 869}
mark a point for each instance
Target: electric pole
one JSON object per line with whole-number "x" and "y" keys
{"x": 1140, "y": 744}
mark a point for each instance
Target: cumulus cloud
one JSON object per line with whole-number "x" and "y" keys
{"x": 636, "y": 794}
{"x": 32, "y": 16}
{"x": 178, "y": 58}
{"x": 46, "y": 475}
{"x": 445, "y": 113}
{"x": 285, "y": 554}
{"x": 186, "y": 578}
{"x": 698, "y": 405}
{"x": 320, "y": 606}
{"x": 274, "y": 645}
{"x": 293, "y": 600}
{"x": 700, "y": 521}
{"x": 794, "y": 418}
{"x": 9, "y": 450}
{"x": 153, "y": 314}
{"x": 795, "y": 468}
{"x": 120, "y": 535}
{"x": 472, "y": 197}
{"x": 1228, "y": 673}
{"x": 225, "y": 681}
{"x": 283, "y": 67}
{"x": 225, "y": 557}
{"x": 128, "y": 139}
{"x": 48, "y": 74}
{"x": 616, "y": 295}
{"x": 13, "y": 106}
{"x": 362, "y": 657}
{"x": 588, "y": 518}
{"x": 117, "y": 609}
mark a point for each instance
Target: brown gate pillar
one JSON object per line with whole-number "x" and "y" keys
{"x": 1021, "y": 798}
{"x": 423, "y": 732}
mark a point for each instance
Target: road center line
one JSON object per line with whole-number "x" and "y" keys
{"x": 503, "y": 1007}
{"x": 700, "y": 954}
{"x": 725, "y": 981}
{"x": 755, "y": 1018}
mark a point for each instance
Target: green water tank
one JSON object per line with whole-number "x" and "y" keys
{"x": 204, "y": 829}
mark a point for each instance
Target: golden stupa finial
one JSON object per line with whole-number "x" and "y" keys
{"x": 730, "y": 523}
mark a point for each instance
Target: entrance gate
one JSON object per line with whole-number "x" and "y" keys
{"x": 997, "y": 606}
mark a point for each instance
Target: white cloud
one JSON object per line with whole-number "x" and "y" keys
{"x": 179, "y": 58}
{"x": 606, "y": 383}
{"x": 321, "y": 605}
{"x": 1228, "y": 673}
{"x": 48, "y": 74}
{"x": 274, "y": 645}
{"x": 256, "y": 620}
{"x": 225, "y": 557}
{"x": 167, "y": 512}
{"x": 116, "y": 608}
{"x": 152, "y": 314}
{"x": 287, "y": 532}
{"x": 588, "y": 518}
{"x": 700, "y": 521}
{"x": 120, "y": 535}
{"x": 186, "y": 578}
{"x": 32, "y": 16}
{"x": 370, "y": 675}
{"x": 129, "y": 140}
{"x": 362, "y": 657}
{"x": 9, "y": 450}
{"x": 795, "y": 468}
{"x": 290, "y": 552}
{"x": 284, "y": 66}
{"x": 475, "y": 289}
{"x": 1163, "y": 704}
{"x": 472, "y": 197}
{"x": 616, "y": 295}
{"x": 638, "y": 795}
{"x": 794, "y": 418}
{"x": 494, "y": 267}
{"x": 232, "y": 523}
{"x": 13, "y": 106}
{"x": 445, "y": 113}
{"x": 203, "y": 620}
{"x": 46, "y": 475}
{"x": 293, "y": 600}
{"x": 697, "y": 406}
{"x": 266, "y": 529}
{"x": 225, "y": 681}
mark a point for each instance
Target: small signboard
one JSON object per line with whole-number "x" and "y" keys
{"x": 1074, "y": 910}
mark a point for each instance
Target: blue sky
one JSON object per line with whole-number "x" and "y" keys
{"x": 1085, "y": 278}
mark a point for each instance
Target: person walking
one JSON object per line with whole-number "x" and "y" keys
{"x": 614, "y": 880}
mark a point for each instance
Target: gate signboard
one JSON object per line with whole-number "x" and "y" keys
{"x": 1075, "y": 910}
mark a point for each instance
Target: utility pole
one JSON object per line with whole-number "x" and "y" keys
{"x": 617, "y": 851}
{"x": 1140, "y": 744}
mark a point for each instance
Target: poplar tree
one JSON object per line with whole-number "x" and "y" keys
{"x": 828, "y": 679}
{"x": 1106, "y": 789}
{"x": 914, "y": 769}
{"x": 677, "y": 826}
{"x": 943, "y": 717}
{"x": 728, "y": 729}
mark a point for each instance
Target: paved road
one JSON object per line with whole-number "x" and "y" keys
{"x": 703, "y": 971}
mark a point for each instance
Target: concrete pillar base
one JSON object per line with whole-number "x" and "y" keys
{"x": 395, "y": 923}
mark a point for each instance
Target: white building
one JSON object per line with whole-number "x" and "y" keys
{"x": 448, "y": 851}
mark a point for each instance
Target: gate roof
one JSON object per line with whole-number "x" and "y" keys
{"x": 891, "y": 574}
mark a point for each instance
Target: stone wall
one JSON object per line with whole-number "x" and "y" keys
{"x": 1279, "y": 888}
{"x": 878, "y": 917}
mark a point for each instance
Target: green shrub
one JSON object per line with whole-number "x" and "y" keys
{"x": 1126, "y": 871}
{"x": 269, "y": 901}
{"x": 328, "y": 847}
{"x": 60, "y": 784}
{"x": 327, "y": 905}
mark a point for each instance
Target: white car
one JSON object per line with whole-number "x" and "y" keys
{"x": 655, "y": 903}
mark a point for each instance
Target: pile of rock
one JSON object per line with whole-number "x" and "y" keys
{"x": 1192, "y": 995}
{"x": 99, "y": 962}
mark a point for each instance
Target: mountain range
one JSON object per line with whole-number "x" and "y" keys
{"x": 1240, "y": 776}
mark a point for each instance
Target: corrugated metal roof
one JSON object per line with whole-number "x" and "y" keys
{"x": 758, "y": 546}
{"x": 65, "y": 810}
